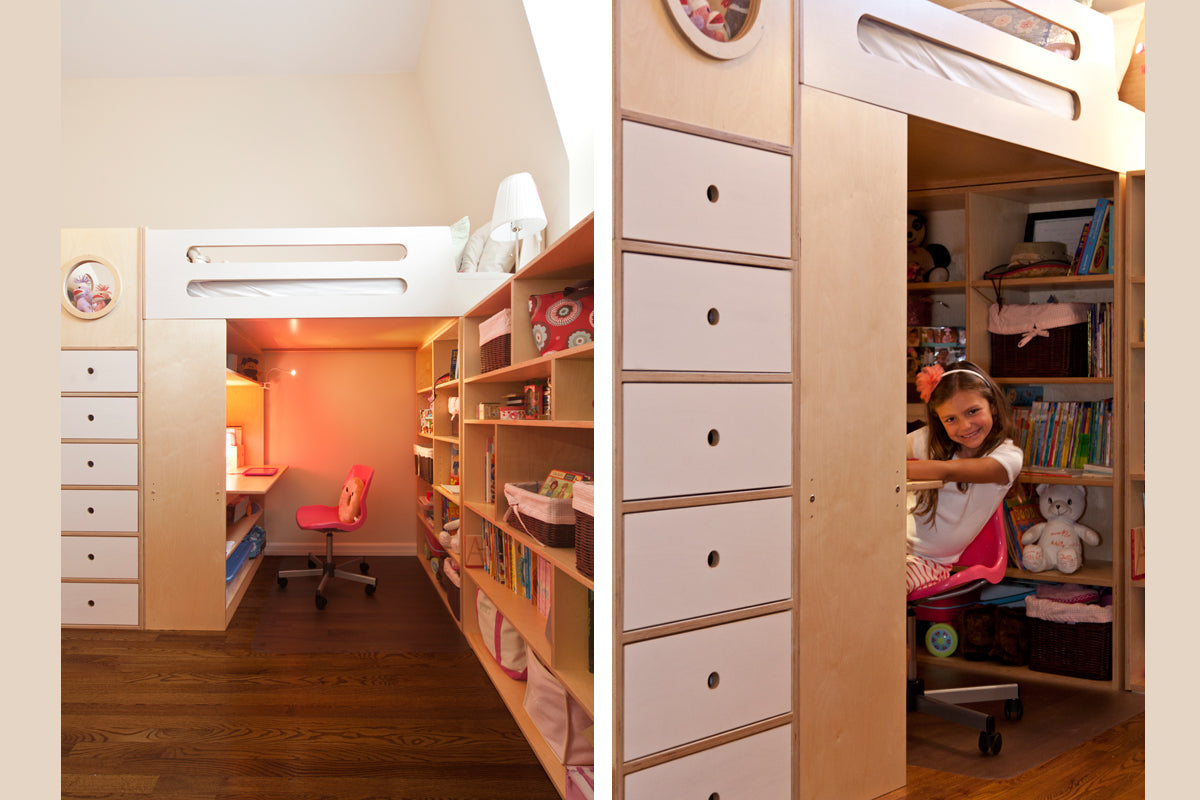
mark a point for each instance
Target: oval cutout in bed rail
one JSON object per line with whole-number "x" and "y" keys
{"x": 295, "y": 253}
{"x": 298, "y": 287}
{"x": 940, "y": 60}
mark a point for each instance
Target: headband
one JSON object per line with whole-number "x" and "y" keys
{"x": 929, "y": 377}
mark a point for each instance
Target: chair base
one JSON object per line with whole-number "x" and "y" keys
{"x": 329, "y": 570}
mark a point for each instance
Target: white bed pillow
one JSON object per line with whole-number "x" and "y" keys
{"x": 483, "y": 254}
{"x": 459, "y": 233}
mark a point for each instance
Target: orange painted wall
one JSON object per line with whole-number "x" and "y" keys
{"x": 342, "y": 407}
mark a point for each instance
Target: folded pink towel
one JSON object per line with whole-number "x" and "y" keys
{"x": 1053, "y": 611}
{"x": 1067, "y": 593}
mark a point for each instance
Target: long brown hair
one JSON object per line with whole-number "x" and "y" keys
{"x": 962, "y": 376}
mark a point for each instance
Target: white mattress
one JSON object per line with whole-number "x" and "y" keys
{"x": 933, "y": 58}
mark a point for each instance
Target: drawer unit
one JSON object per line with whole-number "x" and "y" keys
{"x": 679, "y": 188}
{"x": 92, "y": 557}
{"x": 100, "y": 604}
{"x": 687, "y": 315}
{"x": 758, "y": 767}
{"x": 99, "y": 510}
{"x": 688, "y": 686}
{"x": 688, "y": 562}
{"x": 96, "y": 464}
{"x": 99, "y": 370}
{"x": 99, "y": 418}
{"x": 695, "y": 438}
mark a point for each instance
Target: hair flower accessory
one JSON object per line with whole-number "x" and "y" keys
{"x": 928, "y": 379}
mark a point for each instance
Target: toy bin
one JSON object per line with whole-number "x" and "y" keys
{"x": 1042, "y": 340}
{"x": 1072, "y": 639}
{"x": 495, "y": 341}
{"x": 583, "y": 501}
{"x": 550, "y": 520}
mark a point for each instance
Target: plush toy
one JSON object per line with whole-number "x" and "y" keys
{"x": 1056, "y": 543}
{"x": 349, "y": 504}
{"x": 926, "y": 262}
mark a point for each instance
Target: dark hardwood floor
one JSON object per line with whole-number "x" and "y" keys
{"x": 200, "y": 716}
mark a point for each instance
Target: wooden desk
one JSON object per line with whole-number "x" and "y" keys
{"x": 239, "y": 483}
{"x": 913, "y": 486}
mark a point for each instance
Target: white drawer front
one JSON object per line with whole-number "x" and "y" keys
{"x": 758, "y": 767}
{"x": 114, "y": 557}
{"x": 691, "y": 685}
{"x": 100, "y": 464}
{"x": 687, "y": 315}
{"x": 691, "y": 438}
{"x": 99, "y": 510}
{"x": 99, "y": 370}
{"x": 99, "y": 418}
{"x": 100, "y": 604}
{"x": 684, "y": 189}
{"x": 688, "y": 562}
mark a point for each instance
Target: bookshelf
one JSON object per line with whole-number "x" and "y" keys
{"x": 522, "y": 450}
{"x": 1134, "y": 588}
{"x": 981, "y": 224}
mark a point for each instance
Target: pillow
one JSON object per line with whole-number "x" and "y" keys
{"x": 1023, "y": 25}
{"x": 459, "y": 233}
{"x": 563, "y": 319}
{"x": 483, "y": 254}
{"x": 349, "y": 504}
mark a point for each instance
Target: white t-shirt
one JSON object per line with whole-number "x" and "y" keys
{"x": 960, "y": 515}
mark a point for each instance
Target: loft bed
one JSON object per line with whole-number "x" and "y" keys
{"x": 275, "y": 273}
{"x": 1041, "y": 75}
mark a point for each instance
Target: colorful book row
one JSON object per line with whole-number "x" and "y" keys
{"x": 517, "y": 567}
{"x": 1067, "y": 434}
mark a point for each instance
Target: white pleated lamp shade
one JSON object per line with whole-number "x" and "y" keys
{"x": 518, "y": 212}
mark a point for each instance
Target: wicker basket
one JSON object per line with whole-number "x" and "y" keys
{"x": 495, "y": 341}
{"x": 1047, "y": 340}
{"x": 1078, "y": 649}
{"x": 550, "y": 520}
{"x": 583, "y": 501}
{"x": 453, "y": 593}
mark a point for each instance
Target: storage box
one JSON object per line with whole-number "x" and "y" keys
{"x": 1078, "y": 649}
{"x": 1045, "y": 340}
{"x": 453, "y": 591}
{"x": 512, "y": 413}
{"x": 550, "y": 520}
{"x": 495, "y": 341}
{"x": 236, "y": 506}
{"x": 583, "y": 502}
{"x": 423, "y": 458}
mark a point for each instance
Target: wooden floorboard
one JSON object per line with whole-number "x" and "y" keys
{"x": 201, "y": 716}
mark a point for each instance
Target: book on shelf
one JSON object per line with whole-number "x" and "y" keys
{"x": 560, "y": 483}
{"x": 1062, "y": 437}
{"x": 1021, "y": 513}
{"x": 1095, "y": 228}
{"x": 1137, "y": 546}
{"x": 1083, "y": 235}
{"x": 454, "y": 363}
{"x": 1102, "y": 257}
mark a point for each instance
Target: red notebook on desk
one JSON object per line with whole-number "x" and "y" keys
{"x": 255, "y": 472}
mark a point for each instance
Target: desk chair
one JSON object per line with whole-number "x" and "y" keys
{"x": 348, "y": 515}
{"x": 983, "y": 562}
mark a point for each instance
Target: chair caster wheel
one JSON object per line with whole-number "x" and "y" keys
{"x": 282, "y": 582}
{"x": 364, "y": 568}
{"x": 1014, "y": 709}
{"x": 321, "y": 601}
{"x": 941, "y": 640}
{"x": 370, "y": 588}
{"x": 990, "y": 743}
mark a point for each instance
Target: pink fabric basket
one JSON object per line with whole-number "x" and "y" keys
{"x": 557, "y": 716}
{"x": 500, "y": 638}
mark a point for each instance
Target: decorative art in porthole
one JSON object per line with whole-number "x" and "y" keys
{"x": 91, "y": 287}
{"x": 722, "y": 29}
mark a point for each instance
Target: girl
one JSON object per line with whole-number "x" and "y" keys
{"x": 968, "y": 445}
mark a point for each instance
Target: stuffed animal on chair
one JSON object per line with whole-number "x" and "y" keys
{"x": 926, "y": 262}
{"x": 349, "y": 503}
{"x": 1057, "y": 542}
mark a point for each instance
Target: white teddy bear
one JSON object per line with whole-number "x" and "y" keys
{"x": 1055, "y": 543}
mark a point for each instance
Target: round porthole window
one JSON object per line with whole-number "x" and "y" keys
{"x": 722, "y": 29}
{"x": 90, "y": 288}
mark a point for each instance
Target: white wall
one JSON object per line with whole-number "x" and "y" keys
{"x": 489, "y": 107}
{"x": 243, "y": 152}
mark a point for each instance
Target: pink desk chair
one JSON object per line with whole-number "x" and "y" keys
{"x": 348, "y": 515}
{"x": 982, "y": 563}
